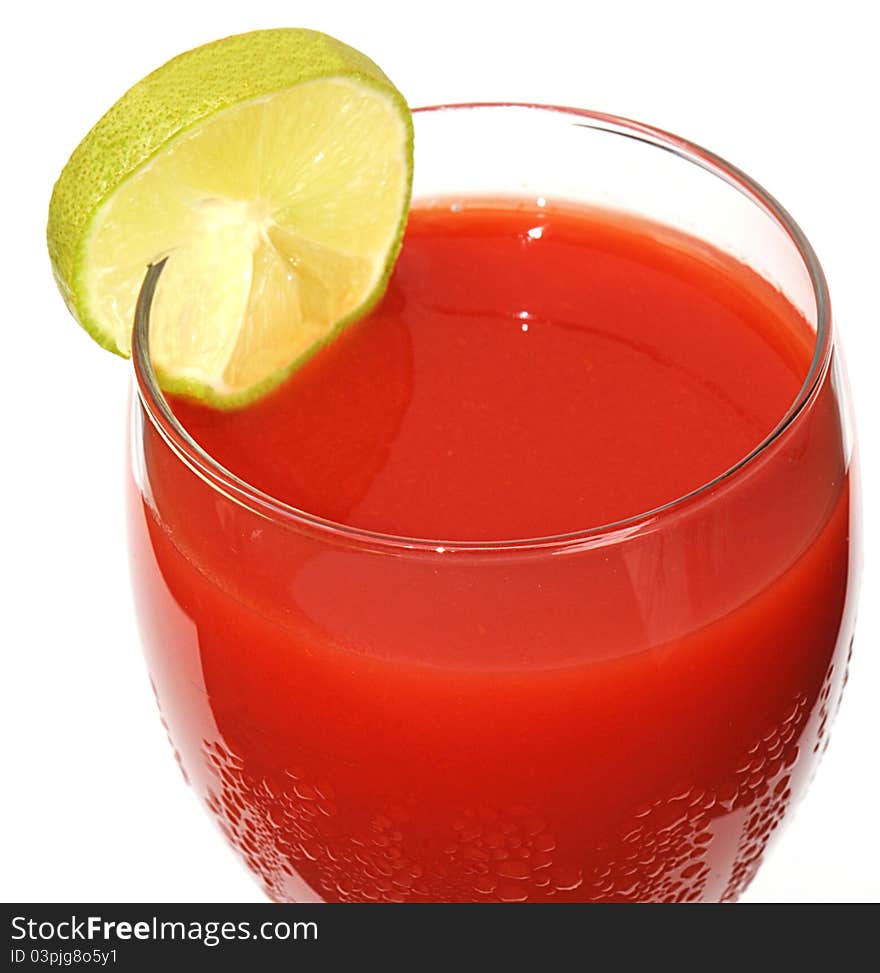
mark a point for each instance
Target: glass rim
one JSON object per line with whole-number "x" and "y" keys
{"x": 233, "y": 487}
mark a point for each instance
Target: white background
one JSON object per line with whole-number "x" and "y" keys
{"x": 93, "y": 805}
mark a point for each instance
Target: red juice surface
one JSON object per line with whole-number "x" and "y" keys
{"x": 529, "y": 373}
{"x": 625, "y": 717}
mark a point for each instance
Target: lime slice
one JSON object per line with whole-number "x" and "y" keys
{"x": 273, "y": 170}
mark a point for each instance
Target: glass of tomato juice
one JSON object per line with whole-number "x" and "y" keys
{"x": 539, "y": 583}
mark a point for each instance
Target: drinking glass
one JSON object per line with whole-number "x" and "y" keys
{"x": 333, "y": 695}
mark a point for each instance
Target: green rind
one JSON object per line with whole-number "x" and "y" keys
{"x": 266, "y": 62}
